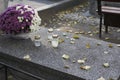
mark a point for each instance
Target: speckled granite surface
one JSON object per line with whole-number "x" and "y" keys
{"x": 52, "y": 58}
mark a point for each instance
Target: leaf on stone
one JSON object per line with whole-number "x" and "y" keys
{"x": 73, "y": 61}
{"x": 81, "y": 61}
{"x": 75, "y": 22}
{"x": 81, "y": 32}
{"x": 27, "y": 57}
{"x": 89, "y": 32}
{"x": 85, "y": 67}
{"x": 91, "y": 35}
{"x": 88, "y": 46}
{"x": 107, "y": 38}
{"x": 75, "y": 36}
{"x": 67, "y": 66}
{"x": 72, "y": 42}
{"x": 65, "y": 56}
{"x": 106, "y": 65}
{"x": 84, "y": 58}
{"x": 101, "y": 78}
{"x": 61, "y": 40}
{"x": 77, "y": 32}
{"x": 50, "y": 30}
{"x": 110, "y": 45}
{"x": 106, "y": 52}
{"x": 98, "y": 44}
{"x": 70, "y": 31}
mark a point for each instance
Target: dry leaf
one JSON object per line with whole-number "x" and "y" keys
{"x": 65, "y": 56}
{"x": 61, "y": 40}
{"x": 73, "y": 61}
{"x": 81, "y": 32}
{"x": 89, "y": 32}
{"x": 84, "y": 58}
{"x": 75, "y": 22}
{"x": 106, "y": 52}
{"x": 50, "y": 30}
{"x": 101, "y": 78}
{"x": 81, "y": 61}
{"x": 98, "y": 44}
{"x": 72, "y": 42}
{"x": 27, "y": 57}
{"x": 107, "y": 38}
{"x": 69, "y": 31}
{"x": 85, "y": 67}
{"x": 106, "y": 65}
{"x": 67, "y": 66}
{"x": 87, "y": 45}
{"x": 77, "y": 32}
{"x": 76, "y": 36}
{"x": 110, "y": 45}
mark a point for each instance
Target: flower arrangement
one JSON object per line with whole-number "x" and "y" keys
{"x": 19, "y": 19}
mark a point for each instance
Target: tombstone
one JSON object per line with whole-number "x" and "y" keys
{"x": 3, "y": 5}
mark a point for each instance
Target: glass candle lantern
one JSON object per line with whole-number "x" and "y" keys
{"x": 37, "y": 41}
{"x": 50, "y": 34}
{"x": 55, "y": 41}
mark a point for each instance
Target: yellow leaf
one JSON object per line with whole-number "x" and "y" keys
{"x": 76, "y": 36}
{"x": 85, "y": 67}
{"x": 101, "y": 78}
{"x": 65, "y": 56}
{"x": 87, "y": 45}
{"x": 110, "y": 45}
{"x": 81, "y": 61}
{"x": 61, "y": 40}
{"x": 67, "y": 66}
{"x": 106, "y": 65}
{"x": 27, "y": 57}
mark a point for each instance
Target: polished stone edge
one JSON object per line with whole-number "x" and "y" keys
{"x": 36, "y": 69}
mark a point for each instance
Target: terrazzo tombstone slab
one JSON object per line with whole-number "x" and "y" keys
{"x": 47, "y": 62}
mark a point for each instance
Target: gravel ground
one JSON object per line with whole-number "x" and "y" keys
{"x": 79, "y": 19}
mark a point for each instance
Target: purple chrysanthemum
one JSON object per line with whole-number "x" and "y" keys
{"x": 16, "y": 19}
